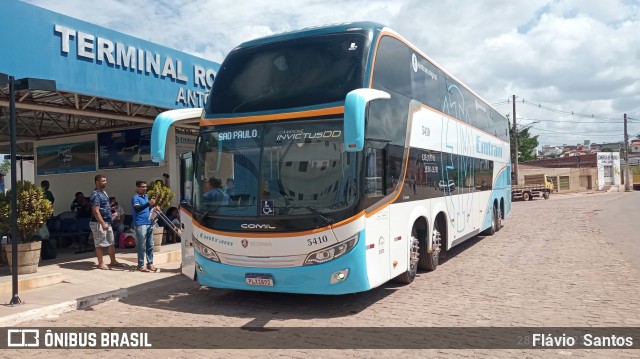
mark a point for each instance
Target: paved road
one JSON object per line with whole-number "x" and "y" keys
{"x": 619, "y": 219}
{"x": 551, "y": 265}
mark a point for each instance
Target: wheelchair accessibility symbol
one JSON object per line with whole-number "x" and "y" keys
{"x": 267, "y": 207}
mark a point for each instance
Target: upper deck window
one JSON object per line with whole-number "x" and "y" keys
{"x": 292, "y": 73}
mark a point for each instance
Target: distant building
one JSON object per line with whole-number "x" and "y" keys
{"x": 551, "y": 151}
{"x": 634, "y": 146}
{"x": 611, "y": 147}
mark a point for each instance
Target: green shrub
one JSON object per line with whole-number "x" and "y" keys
{"x": 34, "y": 209}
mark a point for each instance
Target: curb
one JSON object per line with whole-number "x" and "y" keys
{"x": 158, "y": 257}
{"x": 60, "y": 308}
{"x": 39, "y": 313}
{"x": 91, "y": 300}
{"x": 76, "y": 304}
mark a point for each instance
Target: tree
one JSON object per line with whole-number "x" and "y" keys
{"x": 527, "y": 144}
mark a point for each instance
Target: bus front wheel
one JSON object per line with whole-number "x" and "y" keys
{"x": 414, "y": 255}
{"x": 495, "y": 218}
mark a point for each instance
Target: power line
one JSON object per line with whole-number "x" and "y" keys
{"x": 569, "y": 113}
{"x": 565, "y": 121}
{"x": 550, "y": 109}
{"x": 575, "y": 134}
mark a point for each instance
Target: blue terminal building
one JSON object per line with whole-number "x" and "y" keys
{"x": 109, "y": 88}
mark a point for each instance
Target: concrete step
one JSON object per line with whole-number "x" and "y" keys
{"x": 31, "y": 282}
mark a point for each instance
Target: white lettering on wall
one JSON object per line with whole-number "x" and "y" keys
{"x": 198, "y": 76}
{"x": 153, "y": 63}
{"x": 65, "y": 36}
{"x": 105, "y": 50}
{"x": 102, "y": 50}
{"x": 126, "y": 58}
{"x": 85, "y": 45}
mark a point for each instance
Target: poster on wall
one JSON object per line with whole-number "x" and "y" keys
{"x": 125, "y": 149}
{"x": 66, "y": 158}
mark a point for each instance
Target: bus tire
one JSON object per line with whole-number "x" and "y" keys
{"x": 414, "y": 257}
{"x": 494, "y": 222}
{"x": 429, "y": 261}
{"x": 546, "y": 195}
{"x": 526, "y": 196}
{"x": 498, "y": 215}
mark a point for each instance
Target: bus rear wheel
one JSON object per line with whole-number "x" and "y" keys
{"x": 498, "y": 218}
{"x": 429, "y": 261}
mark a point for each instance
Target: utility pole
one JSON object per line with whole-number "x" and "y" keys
{"x": 627, "y": 185}
{"x": 515, "y": 142}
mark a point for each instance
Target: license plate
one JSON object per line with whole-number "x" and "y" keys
{"x": 259, "y": 279}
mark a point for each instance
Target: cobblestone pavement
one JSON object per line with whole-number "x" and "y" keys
{"x": 549, "y": 266}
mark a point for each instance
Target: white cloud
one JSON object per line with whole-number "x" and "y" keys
{"x": 571, "y": 55}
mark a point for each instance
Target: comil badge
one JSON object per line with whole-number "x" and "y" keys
{"x": 245, "y": 243}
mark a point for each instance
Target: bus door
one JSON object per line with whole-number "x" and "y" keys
{"x": 377, "y": 225}
{"x": 186, "y": 214}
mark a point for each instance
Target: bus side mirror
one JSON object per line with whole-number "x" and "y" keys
{"x": 355, "y": 105}
{"x": 161, "y": 126}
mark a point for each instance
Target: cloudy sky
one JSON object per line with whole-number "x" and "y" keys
{"x": 558, "y": 57}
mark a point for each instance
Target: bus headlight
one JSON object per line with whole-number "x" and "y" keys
{"x": 330, "y": 253}
{"x": 205, "y": 251}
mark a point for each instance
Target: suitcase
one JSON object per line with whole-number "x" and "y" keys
{"x": 49, "y": 249}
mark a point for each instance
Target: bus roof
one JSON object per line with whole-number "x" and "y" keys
{"x": 316, "y": 30}
{"x": 361, "y": 26}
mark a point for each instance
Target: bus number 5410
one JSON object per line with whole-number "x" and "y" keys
{"x": 317, "y": 240}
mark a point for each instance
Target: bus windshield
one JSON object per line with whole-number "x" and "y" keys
{"x": 295, "y": 168}
{"x": 286, "y": 74}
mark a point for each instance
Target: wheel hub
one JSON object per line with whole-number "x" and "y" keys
{"x": 415, "y": 251}
{"x": 436, "y": 241}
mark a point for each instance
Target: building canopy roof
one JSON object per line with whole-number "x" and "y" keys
{"x": 105, "y": 80}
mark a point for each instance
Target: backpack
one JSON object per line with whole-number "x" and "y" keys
{"x": 127, "y": 240}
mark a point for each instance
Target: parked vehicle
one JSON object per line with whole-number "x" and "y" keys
{"x": 539, "y": 186}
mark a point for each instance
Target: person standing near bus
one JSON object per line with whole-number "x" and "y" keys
{"x": 142, "y": 206}
{"x": 101, "y": 223}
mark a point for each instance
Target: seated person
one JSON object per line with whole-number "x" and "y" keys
{"x": 81, "y": 206}
{"x": 213, "y": 191}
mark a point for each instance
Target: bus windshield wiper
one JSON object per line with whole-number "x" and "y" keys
{"x": 326, "y": 219}
{"x": 208, "y": 212}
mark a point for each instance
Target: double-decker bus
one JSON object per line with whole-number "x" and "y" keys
{"x": 333, "y": 159}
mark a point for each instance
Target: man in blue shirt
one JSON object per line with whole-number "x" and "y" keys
{"x": 142, "y": 207}
{"x": 101, "y": 223}
{"x": 213, "y": 192}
